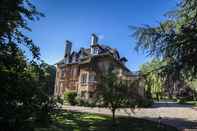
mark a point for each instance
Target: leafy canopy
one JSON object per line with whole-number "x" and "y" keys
{"x": 153, "y": 81}
{"x": 24, "y": 90}
{"x": 114, "y": 93}
{"x": 173, "y": 40}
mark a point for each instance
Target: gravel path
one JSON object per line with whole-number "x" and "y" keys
{"x": 180, "y": 116}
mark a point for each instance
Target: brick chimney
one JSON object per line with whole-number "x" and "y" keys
{"x": 94, "y": 41}
{"x": 82, "y": 53}
{"x": 68, "y": 48}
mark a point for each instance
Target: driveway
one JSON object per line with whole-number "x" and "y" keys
{"x": 171, "y": 113}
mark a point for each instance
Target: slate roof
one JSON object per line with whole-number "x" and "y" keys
{"x": 84, "y": 56}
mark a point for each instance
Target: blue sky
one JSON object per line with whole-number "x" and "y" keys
{"x": 76, "y": 20}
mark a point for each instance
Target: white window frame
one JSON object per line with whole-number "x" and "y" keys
{"x": 84, "y": 78}
{"x": 95, "y": 51}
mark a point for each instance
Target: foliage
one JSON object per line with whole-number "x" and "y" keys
{"x": 25, "y": 82}
{"x": 49, "y": 72}
{"x": 153, "y": 81}
{"x": 187, "y": 102}
{"x": 14, "y": 18}
{"x": 24, "y": 96}
{"x": 114, "y": 93}
{"x": 70, "y": 97}
{"x": 193, "y": 86}
{"x": 86, "y": 103}
{"x": 144, "y": 103}
{"x": 173, "y": 40}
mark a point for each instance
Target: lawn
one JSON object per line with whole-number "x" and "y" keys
{"x": 187, "y": 102}
{"x": 74, "y": 121}
{"x": 194, "y": 103}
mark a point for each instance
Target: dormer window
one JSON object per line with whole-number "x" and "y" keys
{"x": 74, "y": 58}
{"x": 95, "y": 51}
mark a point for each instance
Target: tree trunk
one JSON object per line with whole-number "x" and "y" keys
{"x": 194, "y": 95}
{"x": 113, "y": 116}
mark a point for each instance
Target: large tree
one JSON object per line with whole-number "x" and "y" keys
{"x": 173, "y": 40}
{"x": 14, "y": 16}
{"x": 23, "y": 80}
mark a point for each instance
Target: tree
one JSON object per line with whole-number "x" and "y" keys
{"x": 153, "y": 82}
{"x": 23, "y": 96}
{"x": 14, "y": 15}
{"x": 173, "y": 40}
{"x": 114, "y": 93}
{"x": 193, "y": 85}
{"x": 49, "y": 72}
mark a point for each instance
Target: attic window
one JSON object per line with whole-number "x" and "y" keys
{"x": 74, "y": 59}
{"x": 95, "y": 51}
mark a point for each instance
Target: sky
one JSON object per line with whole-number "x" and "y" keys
{"x": 76, "y": 20}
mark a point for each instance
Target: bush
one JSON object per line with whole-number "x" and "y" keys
{"x": 181, "y": 101}
{"x": 70, "y": 98}
{"x": 86, "y": 103}
{"x": 144, "y": 103}
{"x": 186, "y": 101}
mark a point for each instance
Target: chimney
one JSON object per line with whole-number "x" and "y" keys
{"x": 94, "y": 39}
{"x": 68, "y": 48}
{"x": 82, "y": 53}
{"x": 67, "y": 51}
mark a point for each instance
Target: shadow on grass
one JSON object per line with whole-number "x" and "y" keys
{"x": 75, "y": 121}
{"x": 180, "y": 123}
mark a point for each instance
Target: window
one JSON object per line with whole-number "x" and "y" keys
{"x": 73, "y": 59}
{"x": 75, "y": 72}
{"x": 62, "y": 73}
{"x": 84, "y": 78}
{"x": 95, "y": 51}
{"x": 92, "y": 77}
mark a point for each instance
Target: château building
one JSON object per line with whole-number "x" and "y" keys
{"x": 79, "y": 71}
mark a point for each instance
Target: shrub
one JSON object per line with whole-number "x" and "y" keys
{"x": 181, "y": 101}
{"x": 144, "y": 103}
{"x": 186, "y": 101}
{"x": 70, "y": 98}
{"x": 86, "y": 103}
{"x": 79, "y": 101}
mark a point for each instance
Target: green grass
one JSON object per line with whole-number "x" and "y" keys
{"x": 74, "y": 121}
{"x": 194, "y": 103}
{"x": 187, "y": 102}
